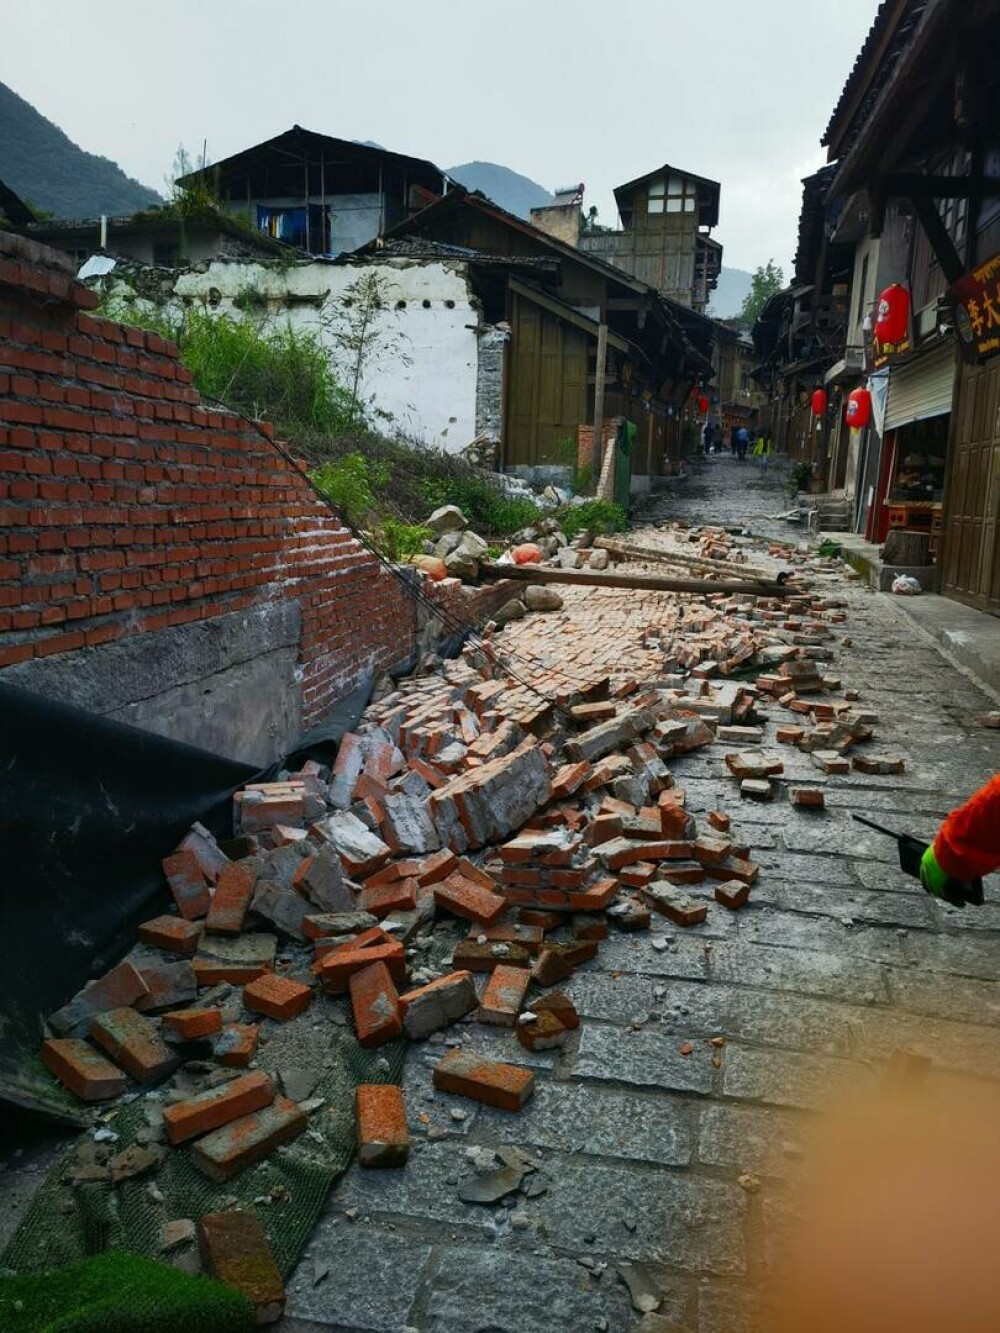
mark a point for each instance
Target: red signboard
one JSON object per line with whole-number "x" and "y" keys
{"x": 977, "y": 310}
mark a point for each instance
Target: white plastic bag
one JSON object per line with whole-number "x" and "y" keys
{"x": 905, "y": 586}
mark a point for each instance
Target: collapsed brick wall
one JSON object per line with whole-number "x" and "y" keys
{"x": 128, "y": 506}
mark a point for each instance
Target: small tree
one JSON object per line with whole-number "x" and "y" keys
{"x": 765, "y": 283}
{"x": 362, "y": 334}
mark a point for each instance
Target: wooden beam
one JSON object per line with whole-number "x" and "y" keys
{"x": 597, "y": 452}
{"x": 915, "y": 186}
{"x": 642, "y": 582}
{"x": 941, "y": 243}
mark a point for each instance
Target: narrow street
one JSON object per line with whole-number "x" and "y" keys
{"x": 836, "y": 962}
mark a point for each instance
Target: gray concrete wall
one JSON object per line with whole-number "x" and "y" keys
{"x": 229, "y": 685}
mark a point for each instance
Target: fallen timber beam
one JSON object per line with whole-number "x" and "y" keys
{"x": 628, "y": 551}
{"x": 642, "y": 582}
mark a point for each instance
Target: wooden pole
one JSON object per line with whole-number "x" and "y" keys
{"x": 602, "y": 356}
{"x": 644, "y": 582}
{"x": 625, "y": 551}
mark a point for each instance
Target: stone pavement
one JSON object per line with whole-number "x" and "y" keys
{"x": 836, "y": 961}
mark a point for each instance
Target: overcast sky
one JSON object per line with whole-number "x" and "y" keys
{"x": 560, "y": 90}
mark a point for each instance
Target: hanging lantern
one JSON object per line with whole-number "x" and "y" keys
{"x": 702, "y": 404}
{"x": 859, "y": 408}
{"x": 892, "y": 315}
{"x": 819, "y": 403}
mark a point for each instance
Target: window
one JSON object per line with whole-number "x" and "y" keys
{"x": 673, "y": 195}
{"x": 165, "y": 254}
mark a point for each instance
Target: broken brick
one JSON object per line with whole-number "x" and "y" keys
{"x": 544, "y": 1032}
{"x": 504, "y": 995}
{"x": 172, "y": 934}
{"x": 337, "y": 923}
{"x": 231, "y": 899}
{"x": 808, "y": 798}
{"x": 558, "y": 1002}
{"x": 218, "y": 1106}
{"x": 280, "y": 998}
{"x": 438, "y": 1004}
{"x": 475, "y": 957}
{"x": 168, "y": 985}
{"x": 879, "y": 763}
{"x": 187, "y": 884}
{"x": 235, "y": 1249}
{"x": 375, "y": 1004}
{"x": 236, "y": 960}
{"x": 492, "y": 1082}
{"x": 732, "y": 893}
{"x": 209, "y": 855}
{"x": 336, "y": 969}
{"x": 383, "y": 1134}
{"x": 261, "y": 805}
{"x": 236, "y": 1045}
{"x": 719, "y": 821}
{"x": 756, "y": 789}
{"x": 709, "y": 850}
{"x": 676, "y": 905}
{"x": 569, "y": 778}
{"x": 86, "y": 1072}
{"x": 382, "y": 899}
{"x": 134, "y": 1042}
{"x": 119, "y": 988}
{"x": 229, "y": 1150}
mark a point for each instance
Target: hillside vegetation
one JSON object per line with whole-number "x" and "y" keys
{"x": 43, "y": 165}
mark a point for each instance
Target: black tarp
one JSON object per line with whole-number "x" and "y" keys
{"x": 88, "y": 809}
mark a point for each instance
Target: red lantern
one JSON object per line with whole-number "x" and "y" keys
{"x": 702, "y": 404}
{"x": 892, "y": 315}
{"x": 859, "y": 408}
{"x": 819, "y": 403}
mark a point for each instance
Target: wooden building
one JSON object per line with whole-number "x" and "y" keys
{"x": 323, "y": 195}
{"x": 560, "y": 315}
{"x": 665, "y": 235}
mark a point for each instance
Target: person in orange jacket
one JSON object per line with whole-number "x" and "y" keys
{"x": 967, "y": 845}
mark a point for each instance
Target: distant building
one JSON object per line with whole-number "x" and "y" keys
{"x": 666, "y": 220}
{"x": 323, "y": 195}
{"x": 562, "y": 218}
{"x": 13, "y": 210}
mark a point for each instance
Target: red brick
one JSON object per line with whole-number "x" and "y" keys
{"x": 544, "y": 1033}
{"x": 569, "y": 778}
{"x": 218, "y": 1106}
{"x": 86, "y": 1072}
{"x": 212, "y": 971}
{"x": 277, "y": 997}
{"x": 677, "y": 906}
{"x": 733, "y": 893}
{"x": 134, "y": 1042}
{"x": 187, "y": 884}
{"x": 172, "y": 934}
{"x": 504, "y": 995}
{"x": 594, "y": 898}
{"x": 505, "y": 1086}
{"x": 626, "y": 851}
{"x": 192, "y": 1024}
{"x": 383, "y": 899}
{"x": 231, "y": 899}
{"x": 336, "y": 969}
{"x": 438, "y": 1004}
{"x": 710, "y": 851}
{"x": 227, "y": 1151}
{"x": 810, "y": 798}
{"x": 235, "y": 1249}
{"x": 383, "y": 1135}
{"x": 236, "y": 1045}
{"x": 460, "y": 896}
{"x": 375, "y": 1003}
{"x": 735, "y": 868}
{"x": 119, "y": 988}
{"x": 719, "y": 821}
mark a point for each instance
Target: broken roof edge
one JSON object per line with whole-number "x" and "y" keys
{"x": 298, "y": 133}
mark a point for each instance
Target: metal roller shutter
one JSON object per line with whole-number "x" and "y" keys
{"x": 923, "y": 388}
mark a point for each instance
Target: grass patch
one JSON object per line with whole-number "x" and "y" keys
{"x": 121, "y": 1293}
{"x": 597, "y": 516}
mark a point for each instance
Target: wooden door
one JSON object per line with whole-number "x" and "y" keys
{"x": 970, "y": 558}
{"x": 548, "y": 384}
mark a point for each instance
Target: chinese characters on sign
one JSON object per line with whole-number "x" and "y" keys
{"x": 977, "y": 310}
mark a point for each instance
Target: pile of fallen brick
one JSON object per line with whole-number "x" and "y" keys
{"x": 539, "y": 824}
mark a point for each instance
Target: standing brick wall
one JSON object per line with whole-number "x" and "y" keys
{"x": 128, "y": 506}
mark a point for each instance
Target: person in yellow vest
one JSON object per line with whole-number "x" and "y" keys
{"x": 762, "y": 451}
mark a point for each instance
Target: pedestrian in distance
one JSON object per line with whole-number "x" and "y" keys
{"x": 708, "y": 437}
{"x": 742, "y": 443}
{"x": 761, "y": 451}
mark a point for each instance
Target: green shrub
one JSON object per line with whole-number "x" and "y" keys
{"x": 482, "y": 501}
{"x": 400, "y": 540}
{"x": 598, "y": 516}
{"x": 348, "y": 482}
{"x": 799, "y": 477}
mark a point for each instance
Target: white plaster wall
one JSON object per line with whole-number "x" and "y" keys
{"x": 423, "y": 369}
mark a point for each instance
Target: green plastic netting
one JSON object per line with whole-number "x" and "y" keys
{"x": 65, "y": 1223}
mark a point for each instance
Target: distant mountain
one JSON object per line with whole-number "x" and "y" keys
{"x": 48, "y": 170}
{"x": 727, "y": 299}
{"x": 516, "y": 193}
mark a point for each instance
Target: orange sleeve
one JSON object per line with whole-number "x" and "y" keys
{"x": 968, "y": 842}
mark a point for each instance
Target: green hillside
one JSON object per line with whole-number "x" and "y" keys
{"x": 41, "y": 164}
